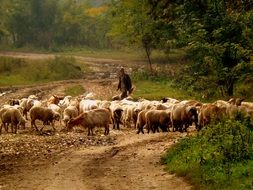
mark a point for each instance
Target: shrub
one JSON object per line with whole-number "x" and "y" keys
{"x": 211, "y": 158}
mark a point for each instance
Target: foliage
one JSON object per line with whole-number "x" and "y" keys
{"x": 15, "y": 71}
{"x": 50, "y": 23}
{"x": 217, "y": 36}
{"x": 218, "y": 157}
{"x": 132, "y": 25}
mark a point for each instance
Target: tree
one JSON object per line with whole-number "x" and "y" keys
{"x": 216, "y": 34}
{"x": 132, "y": 25}
{"x": 49, "y": 23}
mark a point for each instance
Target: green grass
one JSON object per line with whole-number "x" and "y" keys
{"x": 155, "y": 90}
{"x": 16, "y": 71}
{"x": 154, "y": 86}
{"x": 219, "y": 157}
{"x": 75, "y": 90}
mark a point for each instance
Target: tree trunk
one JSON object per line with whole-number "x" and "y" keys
{"x": 230, "y": 86}
{"x": 147, "y": 50}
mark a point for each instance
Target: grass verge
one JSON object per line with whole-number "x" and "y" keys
{"x": 75, "y": 90}
{"x": 155, "y": 87}
{"x": 16, "y": 71}
{"x": 219, "y": 157}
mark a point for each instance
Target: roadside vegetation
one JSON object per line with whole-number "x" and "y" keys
{"x": 16, "y": 71}
{"x": 75, "y": 90}
{"x": 218, "y": 157}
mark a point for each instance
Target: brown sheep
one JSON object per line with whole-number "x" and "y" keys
{"x": 116, "y": 112}
{"x": 156, "y": 119}
{"x": 208, "y": 113}
{"x": 182, "y": 117}
{"x": 94, "y": 118}
{"x": 116, "y": 117}
{"x": 141, "y": 121}
{"x": 46, "y": 115}
{"x": 54, "y": 100}
{"x": 11, "y": 116}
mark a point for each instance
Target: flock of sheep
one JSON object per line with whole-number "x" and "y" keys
{"x": 139, "y": 115}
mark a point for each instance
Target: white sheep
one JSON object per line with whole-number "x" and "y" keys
{"x": 86, "y": 105}
{"x": 129, "y": 114}
{"x": 65, "y": 101}
{"x": 69, "y": 113}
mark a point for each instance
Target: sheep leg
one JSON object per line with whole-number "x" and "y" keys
{"x": 53, "y": 126}
{"x": 25, "y": 114}
{"x": 5, "y": 127}
{"x": 139, "y": 129}
{"x": 154, "y": 128}
{"x": 147, "y": 127}
{"x": 114, "y": 123}
{"x": 88, "y": 131}
{"x": 107, "y": 130}
{"x": 186, "y": 127}
{"x": 91, "y": 129}
{"x": 42, "y": 128}
{"x": 142, "y": 129}
{"x": 34, "y": 125}
{"x": 118, "y": 124}
{"x": 15, "y": 128}
{"x": 173, "y": 126}
{"x": 11, "y": 128}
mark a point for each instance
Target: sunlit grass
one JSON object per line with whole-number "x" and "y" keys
{"x": 16, "y": 71}
{"x": 75, "y": 90}
{"x": 155, "y": 90}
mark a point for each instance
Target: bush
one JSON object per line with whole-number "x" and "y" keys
{"x": 211, "y": 158}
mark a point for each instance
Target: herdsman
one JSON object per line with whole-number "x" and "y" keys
{"x": 125, "y": 84}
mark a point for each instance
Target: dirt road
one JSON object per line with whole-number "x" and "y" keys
{"x": 132, "y": 163}
{"x": 73, "y": 161}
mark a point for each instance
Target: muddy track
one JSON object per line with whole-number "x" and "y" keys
{"x": 133, "y": 163}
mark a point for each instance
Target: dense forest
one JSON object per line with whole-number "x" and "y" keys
{"x": 216, "y": 35}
